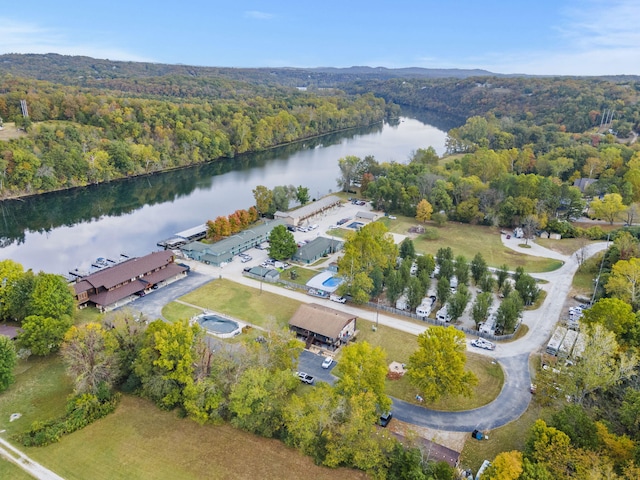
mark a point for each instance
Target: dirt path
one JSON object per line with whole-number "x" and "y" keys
{"x": 30, "y": 466}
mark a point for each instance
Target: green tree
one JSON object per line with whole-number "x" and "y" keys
{"x": 509, "y": 312}
{"x": 576, "y": 423}
{"x": 348, "y": 172}
{"x": 608, "y": 208}
{"x": 264, "y": 198}
{"x": 259, "y": 398}
{"x": 624, "y": 281}
{"x": 437, "y": 367}
{"x": 51, "y": 296}
{"x": 309, "y": 417}
{"x": 478, "y": 268}
{"x": 527, "y": 288}
{"x": 407, "y": 249}
{"x": 279, "y": 350}
{"x": 424, "y": 210}
{"x": 353, "y": 442}
{"x": 601, "y": 365}
{"x": 363, "y": 368}
{"x": 90, "y": 355}
{"x": 302, "y": 195}
{"x": 10, "y": 273}
{"x": 443, "y": 290}
{"x": 487, "y": 283}
{"x": 415, "y": 292}
{"x": 481, "y": 308}
{"x": 395, "y": 286}
{"x": 461, "y": 270}
{"x": 282, "y": 244}
{"x": 43, "y": 335}
{"x": 18, "y": 297}
{"x": 368, "y": 248}
{"x": 458, "y": 302}
{"x": 502, "y": 274}
{"x": 426, "y": 263}
{"x": 616, "y": 316}
{"x": 8, "y": 361}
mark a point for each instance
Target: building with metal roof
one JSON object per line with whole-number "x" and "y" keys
{"x": 113, "y": 286}
{"x": 299, "y": 215}
{"x": 316, "y": 249}
{"x": 223, "y": 251}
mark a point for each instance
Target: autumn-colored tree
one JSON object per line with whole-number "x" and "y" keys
{"x": 506, "y": 466}
{"x": 235, "y": 223}
{"x": 436, "y": 368}
{"x": 608, "y": 208}
{"x": 423, "y": 211}
{"x": 624, "y": 281}
{"x": 263, "y": 197}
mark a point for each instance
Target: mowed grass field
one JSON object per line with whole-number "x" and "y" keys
{"x": 399, "y": 347}
{"x": 11, "y": 471}
{"x": 242, "y": 302}
{"x": 468, "y": 240}
{"x": 140, "y": 441}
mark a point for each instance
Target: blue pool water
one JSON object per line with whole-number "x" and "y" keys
{"x": 218, "y": 324}
{"x": 332, "y": 282}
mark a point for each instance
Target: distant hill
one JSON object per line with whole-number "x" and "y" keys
{"x": 79, "y": 70}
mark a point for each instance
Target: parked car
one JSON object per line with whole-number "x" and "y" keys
{"x": 327, "y": 362}
{"x": 384, "y": 419}
{"x": 482, "y": 343}
{"x": 305, "y": 377}
{"x": 337, "y": 298}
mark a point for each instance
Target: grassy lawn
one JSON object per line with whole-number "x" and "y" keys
{"x": 175, "y": 311}
{"x": 140, "y": 441}
{"x": 39, "y": 393}
{"x": 243, "y": 303}
{"x": 304, "y": 274}
{"x": 400, "y": 345}
{"x": 468, "y": 240}
{"x": 12, "y": 471}
{"x": 87, "y": 315}
{"x": 566, "y": 246}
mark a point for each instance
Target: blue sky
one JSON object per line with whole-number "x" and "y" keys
{"x": 563, "y": 37}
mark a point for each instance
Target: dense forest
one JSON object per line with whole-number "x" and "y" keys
{"x": 78, "y": 136}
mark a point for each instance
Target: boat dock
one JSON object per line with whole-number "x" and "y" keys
{"x": 184, "y": 237}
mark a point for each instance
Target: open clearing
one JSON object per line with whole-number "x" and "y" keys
{"x": 143, "y": 442}
{"x": 467, "y": 240}
{"x": 10, "y": 131}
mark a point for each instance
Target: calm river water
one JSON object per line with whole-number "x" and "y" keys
{"x": 61, "y": 231}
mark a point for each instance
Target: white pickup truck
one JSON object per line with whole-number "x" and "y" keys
{"x": 337, "y": 298}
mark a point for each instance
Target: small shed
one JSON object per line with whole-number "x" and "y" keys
{"x": 368, "y": 216}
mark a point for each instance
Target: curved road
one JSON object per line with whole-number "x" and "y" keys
{"x": 515, "y": 396}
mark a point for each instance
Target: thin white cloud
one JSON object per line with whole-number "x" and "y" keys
{"x": 259, "y": 15}
{"x": 596, "y": 38}
{"x": 22, "y": 37}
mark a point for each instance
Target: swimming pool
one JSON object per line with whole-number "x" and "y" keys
{"x": 355, "y": 225}
{"x": 217, "y": 324}
{"x": 332, "y": 282}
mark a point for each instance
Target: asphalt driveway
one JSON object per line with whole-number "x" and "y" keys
{"x": 151, "y": 304}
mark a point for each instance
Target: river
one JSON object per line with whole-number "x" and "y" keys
{"x": 60, "y": 231}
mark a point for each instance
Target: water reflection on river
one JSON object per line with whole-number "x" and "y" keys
{"x": 60, "y": 231}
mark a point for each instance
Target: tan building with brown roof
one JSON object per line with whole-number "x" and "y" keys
{"x": 113, "y": 286}
{"x": 323, "y": 326}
